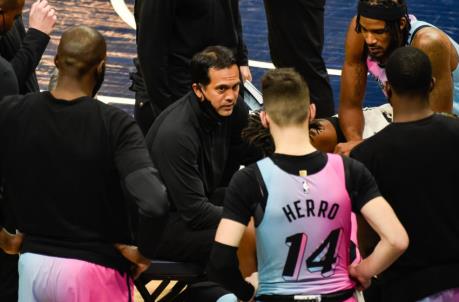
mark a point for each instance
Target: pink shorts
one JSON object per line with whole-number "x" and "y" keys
{"x": 45, "y": 278}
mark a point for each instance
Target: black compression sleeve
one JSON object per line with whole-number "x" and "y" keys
{"x": 223, "y": 268}
{"x": 147, "y": 191}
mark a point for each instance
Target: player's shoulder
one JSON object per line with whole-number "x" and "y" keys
{"x": 447, "y": 123}
{"x": 247, "y": 173}
{"x": 372, "y": 144}
{"x": 113, "y": 115}
{"x": 352, "y": 164}
{"x": 14, "y": 102}
{"x": 431, "y": 38}
{"x": 354, "y": 45}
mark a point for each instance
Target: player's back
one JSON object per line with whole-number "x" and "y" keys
{"x": 415, "y": 165}
{"x": 304, "y": 236}
{"x": 61, "y": 178}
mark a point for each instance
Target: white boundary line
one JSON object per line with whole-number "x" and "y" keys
{"x": 115, "y": 100}
{"x": 123, "y": 11}
{"x": 126, "y": 15}
{"x": 267, "y": 65}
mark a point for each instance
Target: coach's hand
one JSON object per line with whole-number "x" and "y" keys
{"x": 363, "y": 281}
{"x": 346, "y": 148}
{"x": 11, "y": 244}
{"x": 42, "y": 17}
{"x": 132, "y": 253}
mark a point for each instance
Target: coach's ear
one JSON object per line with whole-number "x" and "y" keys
{"x": 264, "y": 119}
{"x": 312, "y": 111}
{"x": 197, "y": 89}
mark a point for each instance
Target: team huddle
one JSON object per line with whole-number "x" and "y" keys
{"x": 359, "y": 206}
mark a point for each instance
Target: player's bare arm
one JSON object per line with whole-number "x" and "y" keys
{"x": 393, "y": 240}
{"x": 353, "y": 85}
{"x": 443, "y": 57}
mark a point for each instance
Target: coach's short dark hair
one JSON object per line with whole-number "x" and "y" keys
{"x": 409, "y": 71}
{"x": 218, "y": 57}
{"x": 285, "y": 96}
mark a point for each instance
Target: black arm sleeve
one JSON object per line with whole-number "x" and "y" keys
{"x": 148, "y": 192}
{"x": 360, "y": 184}
{"x": 141, "y": 182}
{"x": 153, "y": 36}
{"x": 223, "y": 268}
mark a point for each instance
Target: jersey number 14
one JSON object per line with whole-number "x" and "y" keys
{"x": 323, "y": 259}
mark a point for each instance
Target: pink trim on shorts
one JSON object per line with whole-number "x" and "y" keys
{"x": 45, "y": 278}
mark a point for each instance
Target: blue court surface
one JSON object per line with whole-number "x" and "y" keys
{"x": 105, "y": 16}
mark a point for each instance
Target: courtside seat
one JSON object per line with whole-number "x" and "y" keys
{"x": 166, "y": 271}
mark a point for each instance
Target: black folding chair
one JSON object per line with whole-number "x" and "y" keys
{"x": 166, "y": 271}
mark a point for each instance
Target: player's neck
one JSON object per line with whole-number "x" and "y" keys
{"x": 292, "y": 140}
{"x": 410, "y": 110}
{"x": 69, "y": 89}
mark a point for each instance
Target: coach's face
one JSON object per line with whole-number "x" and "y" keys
{"x": 223, "y": 90}
{"x": 377, "y": 38}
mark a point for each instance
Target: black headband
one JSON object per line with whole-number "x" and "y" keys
{"x": 381, "y": 12}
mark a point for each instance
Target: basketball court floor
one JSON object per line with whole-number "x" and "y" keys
{"x": 115, "y": 20}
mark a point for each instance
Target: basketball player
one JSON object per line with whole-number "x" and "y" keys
{"x": 380, "y": 27}
{"x": 302, "y": 202}
{"x": 66, "y": 159}
{"x": 414, "y": 162}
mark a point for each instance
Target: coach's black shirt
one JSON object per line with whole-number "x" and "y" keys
{"x": 190, "y": 145}
{"x": 416, "y": 167}
{"x": 63, "y": 162}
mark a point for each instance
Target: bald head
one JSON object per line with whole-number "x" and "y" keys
{"x": 80, "y": 50}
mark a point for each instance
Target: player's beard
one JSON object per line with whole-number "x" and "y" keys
{"x": 393, "y": 45}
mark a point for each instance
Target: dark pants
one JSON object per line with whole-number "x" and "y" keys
{"x": 145, "y": 112}
{"x": 183, "y": 244}
{"x": 296, "y": 38}
{"x": 147, "y": 109}
{"x": 180, "y": 243}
